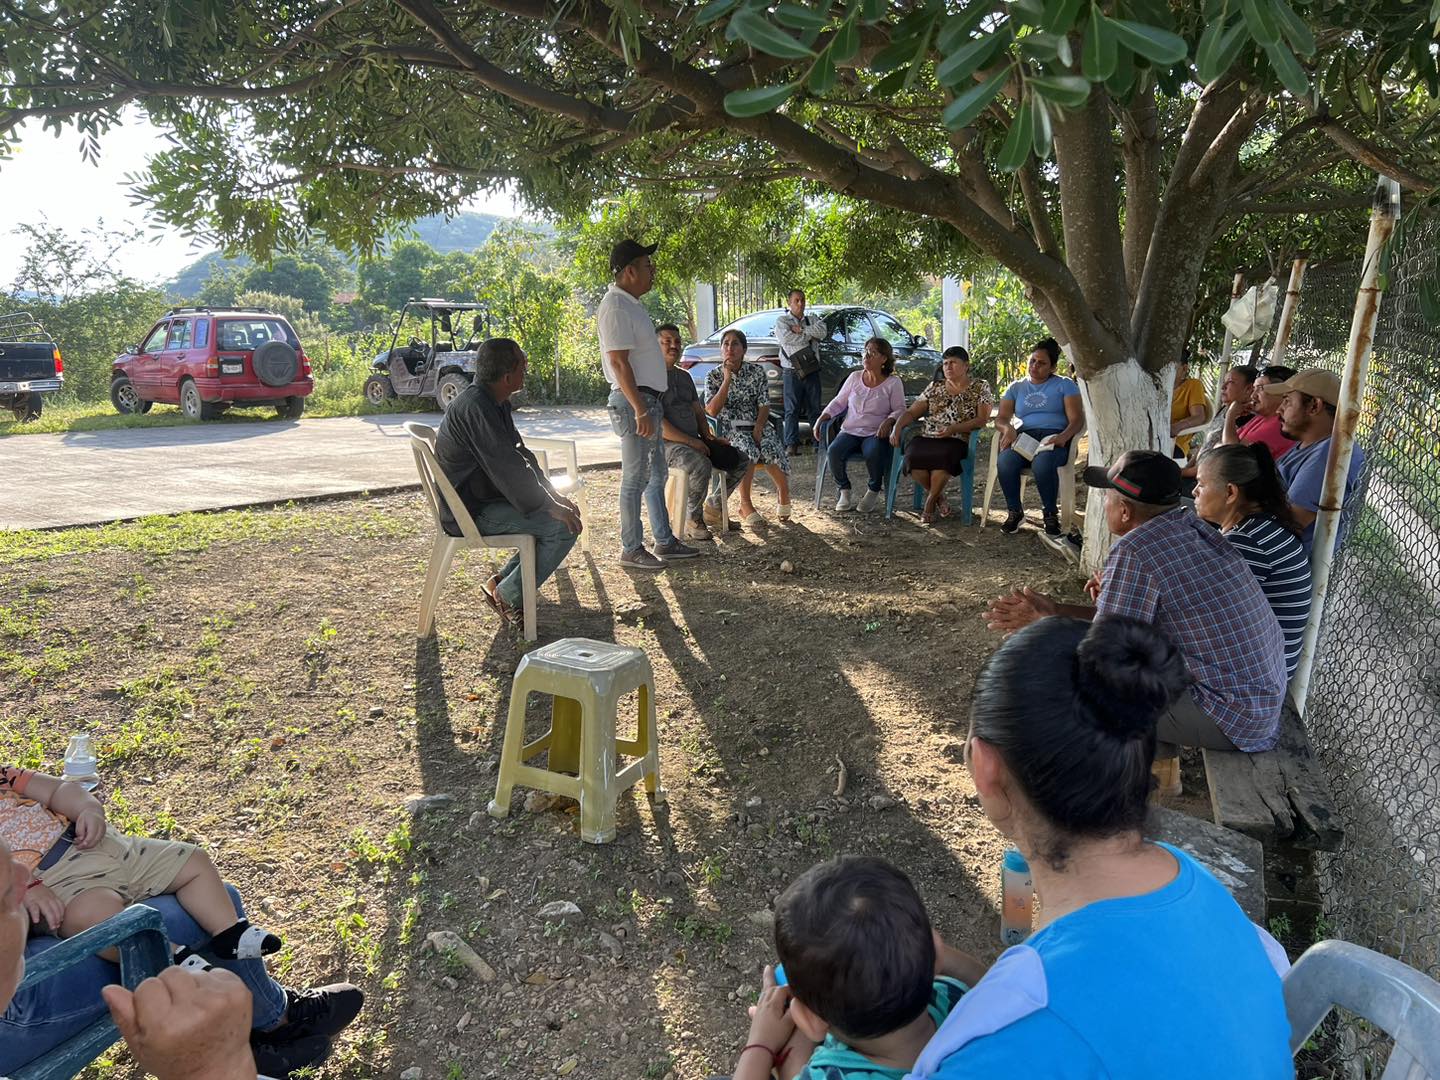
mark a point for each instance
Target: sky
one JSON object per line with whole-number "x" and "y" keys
{"x": 47, "y": 179}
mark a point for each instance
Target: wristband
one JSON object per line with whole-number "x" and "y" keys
{"x": 33, "y": 882}
{"x": 777, "y": 1058}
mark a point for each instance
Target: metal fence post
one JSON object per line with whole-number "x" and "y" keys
{"x": 1384, "y": 213}
{"x": 1287, "y": 313}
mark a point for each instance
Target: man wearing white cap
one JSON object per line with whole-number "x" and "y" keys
{"x": 1307, "y": 415}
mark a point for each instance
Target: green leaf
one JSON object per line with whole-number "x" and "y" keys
{"x": 967, "y": 106}
{"x": 1220, "y": 46}
{"x": 758, "y": 99}
{"x": 800, "y": 17}
{"x": 1041, "y": 45}
{"x": 1040, "y": 121}
{"x": 760, "y": 34}
{"x": 846, "y": 42}
{"x": 892, "y": 83}
{"x": 1123, "y": 79}
{"x": 1099, "y": 55}
{"x": 1364, "y": 96}
{"x": 1289, "y": 69}
{"x": 1060, "y": 15}
{"x": 1294, "y": 29}
{"x": 958, "y": 27}
{"x": 1156, "y": 45}
{"x": 1261, "y": 20}
{"x": 1018, "y": 143}
{"x": 898, "y": 53}
{"x": 1033, "y": 10}
{"x": 964, "y": 62}
{"x": 822, "y": 74}
{"x": 873, "y": 10}
{"x": 715, "y": 9}
{"x": 1070, "y": 91}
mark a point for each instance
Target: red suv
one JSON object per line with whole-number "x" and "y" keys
{"x": 207, "y": 359}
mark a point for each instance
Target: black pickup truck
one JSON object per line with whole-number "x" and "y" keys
{"x": 30, "y": 365}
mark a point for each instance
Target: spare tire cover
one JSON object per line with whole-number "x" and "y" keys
{"x": 276, "y": 363}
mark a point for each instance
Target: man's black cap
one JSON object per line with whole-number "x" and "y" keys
{"x": 626, "y": 252}
{"x": 1147, "y": 476}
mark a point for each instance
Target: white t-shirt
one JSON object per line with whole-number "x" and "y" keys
{"x": 624, "y": 323}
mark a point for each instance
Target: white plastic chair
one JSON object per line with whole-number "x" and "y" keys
{"x": 436, "y": 487}
{"x": 677, "y": 499}
{"x": 1393, "y": 996}
{"x": 1193, "y": 429}
{"x": 1067, "y": 481}
{"x": 571, "y": 484}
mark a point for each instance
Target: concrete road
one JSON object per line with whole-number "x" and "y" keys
{"x": 83, "y": 478}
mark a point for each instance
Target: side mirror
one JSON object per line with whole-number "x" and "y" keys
{"x": 132, "y": 350}
{"x": 918, "y": 341}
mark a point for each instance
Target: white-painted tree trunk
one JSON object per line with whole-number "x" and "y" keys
{"x": 1127, "y": 408}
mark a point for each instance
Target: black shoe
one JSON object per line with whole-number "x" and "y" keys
{"x": 1012, "y": 521}
{"x": 1052, "y": 524}
{"x": 280, "y": 1061}
{"x": 322, "y": 1011}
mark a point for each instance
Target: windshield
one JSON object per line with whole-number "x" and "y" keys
{"x": 252, "y": 333}
{"x": 760, "y": 325}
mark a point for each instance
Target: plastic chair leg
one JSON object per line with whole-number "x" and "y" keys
{"x": 677, "y": 496}
{"x": 566, "y": 721}
{"x": 892, "y": 483}
{"x": 650, "y": 739}
{"x": 822, "y": 462}
{"x": 528, "y": 587}
{"x": 967, "y": 490}
{"x": 583, "y": 501}
{"x": 990, "y": 476}
{"x": 510, "y": 750}
{"x": 597, "y": 778}
{"x": 441, "y": 556}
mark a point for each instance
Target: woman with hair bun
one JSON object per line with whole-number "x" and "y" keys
{"x": 1238, "y": 489}
{"x": 1143, "y": 966}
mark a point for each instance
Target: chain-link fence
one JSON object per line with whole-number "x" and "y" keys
{"x": 1374, "y": 706}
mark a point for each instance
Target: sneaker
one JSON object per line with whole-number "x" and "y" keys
{"x": 1061, "y": 546}
{"x": 783, "y": 512}
{"x": 675, "y": 549}
{"x": 640, "y": 559}
{"x": 1052, "y": 523}
{"x": 319, "y": 1012}
{"x": 846, "y": 501}
{"x": 1013, "y": 521}
{"x": 868, "y": 502}
{"x": 279, "y": 1061}
{"x": 697, "y": 531}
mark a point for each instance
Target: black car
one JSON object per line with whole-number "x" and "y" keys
{"x": 849, "y": 328}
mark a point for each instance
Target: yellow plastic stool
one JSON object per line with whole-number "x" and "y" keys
{"x": 586, "y": 679}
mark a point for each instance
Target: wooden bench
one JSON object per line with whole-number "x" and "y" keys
{"x": 1282, "y": 799}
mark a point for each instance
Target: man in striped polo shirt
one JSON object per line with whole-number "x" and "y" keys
{"x": 1172, "y": 570}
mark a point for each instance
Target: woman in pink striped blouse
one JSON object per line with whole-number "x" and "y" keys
{"x": 872, "y": 399}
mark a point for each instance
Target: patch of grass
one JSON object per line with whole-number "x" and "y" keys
{"x": 691, "y": 928}
{"x": 53, "y": 660}
{"x": 21, "y": 743}
{"x": 171, "y": 534}
{"x": 20, "y": 624}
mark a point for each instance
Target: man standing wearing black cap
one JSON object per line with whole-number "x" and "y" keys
{"x": 635, "y": 369}
{"x": 1172, "y": 570}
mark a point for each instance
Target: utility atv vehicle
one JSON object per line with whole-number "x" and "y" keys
{"x": 439, "y": 368}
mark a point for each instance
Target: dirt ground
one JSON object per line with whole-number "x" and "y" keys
{"x": 255, "y": 682}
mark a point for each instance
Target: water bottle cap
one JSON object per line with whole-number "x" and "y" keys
{"x": 1015, "y": 861}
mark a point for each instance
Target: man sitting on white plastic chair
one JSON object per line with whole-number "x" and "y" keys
{"x": 498, "y": 478}
{"x": 689, "y": 445}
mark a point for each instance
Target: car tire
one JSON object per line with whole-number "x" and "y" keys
{"x": 451, "y": 385}
{"x": 276, "y": 363}
{"x": 123, "y": 396}
{"x": 192, "y": 405}
{"x": 292, "y": 408}
{"x": 379, "y": 391}
{"x": 28, "y": 407}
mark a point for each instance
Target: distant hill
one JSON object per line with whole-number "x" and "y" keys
{"x": 464, "y": 232}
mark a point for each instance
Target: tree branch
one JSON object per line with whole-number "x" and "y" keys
{"x": 1140, "y": 148}
{"x": 1374, "y": 156}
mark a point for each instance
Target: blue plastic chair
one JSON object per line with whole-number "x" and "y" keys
{"x": 139, "y": 935}
{"x": 967, "y": 478}
{"x": 822, "y": 465}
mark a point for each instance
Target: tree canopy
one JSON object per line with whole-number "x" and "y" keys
{"x": 1097, "y": 148}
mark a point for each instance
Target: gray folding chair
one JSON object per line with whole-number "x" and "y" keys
{"x": 437, "y": 488}
{"x": 1393, "y": 996}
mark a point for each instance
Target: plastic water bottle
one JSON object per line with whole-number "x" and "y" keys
{"x": 81, "y": 763}
{"x": 1017, "y": 895}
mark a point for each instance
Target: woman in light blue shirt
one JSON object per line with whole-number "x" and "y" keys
{"x": 1051, "y": 412}
{"x": 1142, "y": 965}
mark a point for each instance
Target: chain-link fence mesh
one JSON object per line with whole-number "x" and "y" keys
{"x": 1374, "y": 706}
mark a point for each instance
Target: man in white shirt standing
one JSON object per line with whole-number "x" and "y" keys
{"x": 635, "y": 369}
{"x": 796, "y": 333}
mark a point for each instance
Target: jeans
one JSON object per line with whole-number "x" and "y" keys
{"x": 44, "y": 1016}
{"x": 1046, "y": 468}
{"x": 553, "y": 542}
{"x": 701, "y": 469}
{"x": 640, "y": 459}
{"x": 802, "y": 395}
{"x": 875, "y": 450}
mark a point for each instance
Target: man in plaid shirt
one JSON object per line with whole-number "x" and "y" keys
{"x": 1173, "y": 570}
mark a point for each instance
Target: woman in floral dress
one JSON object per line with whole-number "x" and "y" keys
{"x": 737, "y": 394}
{"x": 953, "y": 406}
